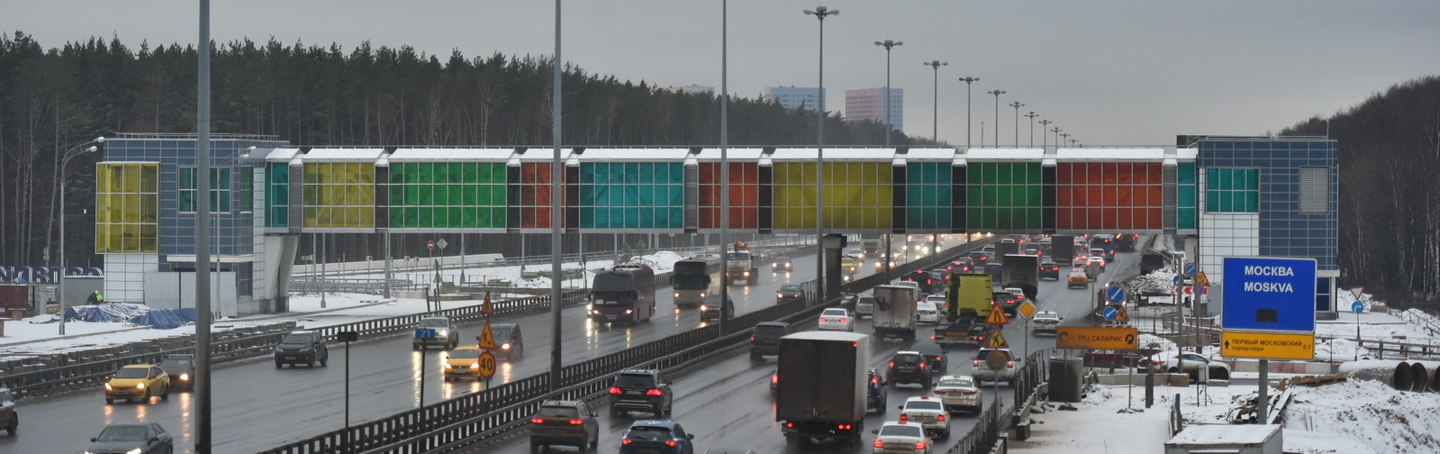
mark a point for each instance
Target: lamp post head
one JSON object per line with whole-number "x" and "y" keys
{"x": 100, "y": 139}
{"x": 887, "y": 44}
{"x": 821, "y": 12}
{"x": 91, "y": 149}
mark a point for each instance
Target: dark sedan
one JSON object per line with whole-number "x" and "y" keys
{"x": 132, "y": 438}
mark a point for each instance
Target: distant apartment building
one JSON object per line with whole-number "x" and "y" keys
{"x": 868, "y": 104}
{"x": 691, "y": 89}
{"x": 807, "y": 98}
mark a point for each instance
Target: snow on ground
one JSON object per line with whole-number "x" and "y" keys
{"x": 1355, "y": 417}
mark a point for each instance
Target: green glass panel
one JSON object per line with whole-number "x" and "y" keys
{"x": 441, "y": 195}
{"x": 1184, "y": 197}
{"x": 455, "y": 217}
{"x": 457, "y": 194}
{"x": 1185, "y": 173}
{"x": 1033, "y": 174}
{"x": 1252, "y": 180}
{"x": 1186, "y": 218}
{"x": 1252, "y": 202}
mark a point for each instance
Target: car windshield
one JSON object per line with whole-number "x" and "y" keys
{"x": 502, "y": 332}
{"x": 465, "y": 354}
{"x": 558, "y": 412}
{"x": 906, "y": 359}
{"x": 956, "y": 383}
{"x": 923, "y": 405}
{"x": 925, "y": 306}
{"x": 634, "y": 381}
{"x": 866, "y": 300}
{"x": 648, "y": 433}
{"x": 177, "y": 364}
{"x": 783, "y": 259}
{"x": 613, "y": 298}
{"x": 132, "y": 372}
{"x": 901, "y": 431}
{"x": 835, "y": 313}
{"x": 769, "y": 331}
{"x": 296, "y": 338}
{"x": 790, "y": 288}
{"x": 122, "y": 433}
{"x": 434, "y": 323}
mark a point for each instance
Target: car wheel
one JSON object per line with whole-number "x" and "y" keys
{"x": 147, "y": 396}
{"x": 534, "y": 446}
{"x": 325, "y": 360}
{"x": 109, "y": 401}
{"x": 310, "y": 362}
{"x": 14, "y": 426}
{"x": 165, "y": 393}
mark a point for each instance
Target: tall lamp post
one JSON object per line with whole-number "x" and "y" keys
{"x": 968, "y": 81}
{"x": 997, "y": 94}
{"x": 1032, "y": 116}
{"x": 1017, "y": 107}
{"x": 1065, "y": 135}
{"x": 64, "y": 161}
{"x": 936, "y": 64}
{"x": 1044, "y": 137}
{"x": 1057, "y": 130}
{"x": 888, "y": 44}
{"x": 821, "y": 12}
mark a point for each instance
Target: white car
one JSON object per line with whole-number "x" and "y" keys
{"x": 930, "y": 412}
{"x": 900, "y": 437}
{"x": 1186, "y": 363}
{"x": 926, "y": 312}
{"x": 837, "y": 319}
{"x": 959, "y": 392}
{"x": 1097, "y": 261}
{"x": 865, "y": 305}
{"x": 938, "y": 301}
{"x": 1046, "y": 321}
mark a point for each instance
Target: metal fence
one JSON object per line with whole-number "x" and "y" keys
{"x": 1029, "y": 382}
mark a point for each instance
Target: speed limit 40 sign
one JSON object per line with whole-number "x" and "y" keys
{"x": 487, "y": 365}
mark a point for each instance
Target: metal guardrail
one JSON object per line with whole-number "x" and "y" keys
{"x": 473, "y": 418}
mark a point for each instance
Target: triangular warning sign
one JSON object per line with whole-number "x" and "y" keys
{"x": 997, "y": 316}
{"x": 997, "y": 340}
{"x": 1123, "y": 316}
{"x": 487, "y": 339}
{"x": 486, "y": 308}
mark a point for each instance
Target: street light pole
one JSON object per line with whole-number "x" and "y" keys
{"x": 1044, "y": 138}
{"x": 1065, "y": 135}
{"x": 997, "y": 94}
{"x": 1056, "y": 130}
{"x": 936, "y": 64}
{"x": 1017, "y": 107}
{"x": 821, "y": 12}
{"x": 887, "y": 44}
{"x": 968, "y": 81}
{"x": 65, "y": 161}
{"x": 1032, "y": 116}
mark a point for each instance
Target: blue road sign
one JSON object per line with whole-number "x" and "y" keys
{"x": 1110, "y": 312}
{"x": 1189, "y": 270}
{"x": 1176, "y": 281}
{"x": 424, "y": 333}
{"x": 1269, "y": 293}
{"x": 1115, "y": 294}
{"x": 1358, "y": 307}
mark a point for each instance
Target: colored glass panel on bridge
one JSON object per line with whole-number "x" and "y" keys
{"x": 1232, "y": 190}
{"x": 447, "y": 195}
{"x": 632, "y": 195}
{"x": 857, "y": 195}
{"x": 1004, "y": 196}
{"x": 339, "y": 194}
{"x": 127, "y": 207}
{"x": 1109, "y": 196}
{"x": 927, "y": 195}
{"x": 744, "y": 195}
{"x": 535, "y": 178}
{"x": 277, "y": 195}
{"x": 1186, "y": 196}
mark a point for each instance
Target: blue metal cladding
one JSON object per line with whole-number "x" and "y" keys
{"x": 632, "y": 195}
{"x": 1284, "y": 230}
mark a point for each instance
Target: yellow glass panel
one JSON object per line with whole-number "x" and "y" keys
{"x": 150, "y": 178}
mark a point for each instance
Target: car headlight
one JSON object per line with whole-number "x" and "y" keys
{"x": 140, "y": 386}
{"x": 505, "y": 346}
{"x": 677, "y": 294}
{"x": 108, "y": 388}
{"x": 474, "y": 365}
{"x": 704, "y": 308}
{"x": 184, "y": 377}
{"x": 447, "y": 365}
{"x": 134, "y": 451}
{"x": 629, "y": 311}
{"x": 442, "y": 333}
{"x": 702, "y": 294}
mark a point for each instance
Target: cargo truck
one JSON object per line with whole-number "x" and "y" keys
{"x": 821, "y": 386}
{"x": 1062, "y": 249}
{"x": 1021, "y": 271}
{"x": 968, "y": 304}
{"x": 895, "y": 311}
{"x": 1005, "y": 247}
{"x": 741, "y": 265}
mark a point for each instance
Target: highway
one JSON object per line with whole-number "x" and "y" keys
{"x": 256, "y": 406}
{"x": 728, "y": 404}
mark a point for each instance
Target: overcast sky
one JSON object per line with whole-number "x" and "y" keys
{"x": 1110, "y": 72}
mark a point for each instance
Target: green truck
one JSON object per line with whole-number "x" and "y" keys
{"x": 967, "y": 305}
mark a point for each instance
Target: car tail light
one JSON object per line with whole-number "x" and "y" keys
{"x": 616, "y": 389}
{"x": 879, "y": 444}
{"x": 922, "y": 364}
{"x": 939, "y": 417}
{"x": 823, "y": 319}
{"x": 752, "y": 338}
{"x": 626, "y": 441}
{"x": 904, "y": 417}
{"x": 576, "y": 422}
{"x": 789, "y": 425}
{"x": 920, "y": 444}
{"x": 977, "y": 363}
{"x": 656, "y": 391}
{"x": 892, "y": 364}
{"x": 971, "y": 393}
{"x": 844, "y": 320}
{"x": 774, "y": 379}
{"x": 670, "y": 443}
{"x": 1010, "y": 363}
{"x": 844, "y": 427}
{"x": 537, "y": 420}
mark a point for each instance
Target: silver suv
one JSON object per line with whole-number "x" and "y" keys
{"x": 447, "y": 336}
{"x": 995, "y": 365}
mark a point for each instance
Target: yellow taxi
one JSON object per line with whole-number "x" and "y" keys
{"x": 138, "y": 382}
{"x": 463, "y": 362}
{"x": 1077, "y": 278}
{"x": 849, "y": 263}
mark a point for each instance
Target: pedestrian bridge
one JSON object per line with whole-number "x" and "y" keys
{"x": 772, "y": 190}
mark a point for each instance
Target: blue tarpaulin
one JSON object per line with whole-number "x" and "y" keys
{"x": 131, "y": 313}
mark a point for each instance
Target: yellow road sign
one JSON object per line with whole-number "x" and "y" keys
{"x": 487, "y": 338}
{"x": 1105, "y": 338}
{"x": 487, "y": 308}
{"x": 997, "y": 316}
{"x": 997, "y": 340}
{"x": 1027, "y": 309}
{"x": 487, "y": 365}
{"x": 1201, "y": 279}
{"x": 1123, "y": 316}
{"x": 1267, "y": 345}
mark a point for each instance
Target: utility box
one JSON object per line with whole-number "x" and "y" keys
{"x": 1227, "y": 438}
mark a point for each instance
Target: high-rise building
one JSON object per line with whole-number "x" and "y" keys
{"x": 866, "y": 104}
{"x": 807, "y": 98}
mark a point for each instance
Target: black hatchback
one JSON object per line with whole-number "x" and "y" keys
{"x": 181, "y": 369}
{"x": 935, "y": 355}
{"x": 908, "y": 366}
